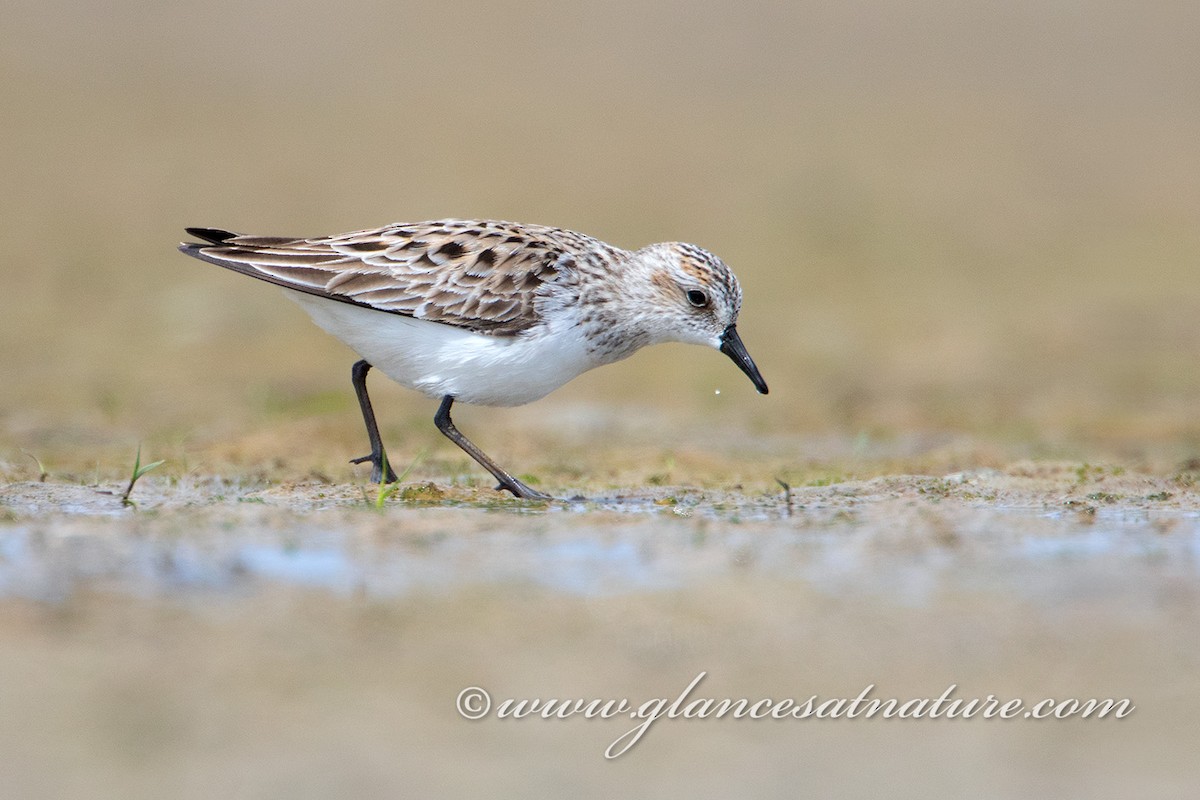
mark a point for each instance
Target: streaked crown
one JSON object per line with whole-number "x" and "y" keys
{"x": 693, "y": 295}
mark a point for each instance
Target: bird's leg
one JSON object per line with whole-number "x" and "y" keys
{"x": 358, "y": 375}
{"x": 446, "y": 426}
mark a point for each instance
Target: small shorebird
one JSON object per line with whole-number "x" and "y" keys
{"x": 487, "y": 312}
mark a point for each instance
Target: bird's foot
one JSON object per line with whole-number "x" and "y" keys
{"x": 378, "y": 462}
{"x": 521, "y": 490}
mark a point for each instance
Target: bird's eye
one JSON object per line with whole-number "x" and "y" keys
{"x": 697, "y": 298}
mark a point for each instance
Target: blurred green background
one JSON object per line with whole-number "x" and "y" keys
{"x": 950, "y": 219}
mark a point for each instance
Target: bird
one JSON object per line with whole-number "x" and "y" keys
{"x": 489, "y": 312}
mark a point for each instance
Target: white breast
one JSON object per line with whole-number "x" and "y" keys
{"x": 441, "y": 360}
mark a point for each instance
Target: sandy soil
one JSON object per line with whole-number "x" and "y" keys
{"x": 294, "y": 641}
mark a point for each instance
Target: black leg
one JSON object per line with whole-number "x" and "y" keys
{"x": 359, "y": 376}
{"x": 446, "y": 426}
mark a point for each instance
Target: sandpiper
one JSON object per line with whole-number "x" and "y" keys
{"x": 488, "y": 312}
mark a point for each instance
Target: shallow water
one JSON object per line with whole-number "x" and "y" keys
{"x": 293, "y": 641}
{"x": 598, "y": 548}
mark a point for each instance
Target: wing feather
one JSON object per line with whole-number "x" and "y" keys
{"x": 477, "y": 274}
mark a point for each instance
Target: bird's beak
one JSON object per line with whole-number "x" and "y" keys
{"x": 731, "y": 345}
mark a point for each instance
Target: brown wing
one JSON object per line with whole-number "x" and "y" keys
{"x": 479, "y": 275}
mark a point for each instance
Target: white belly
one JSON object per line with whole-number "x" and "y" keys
{"x": 441, "y": 360}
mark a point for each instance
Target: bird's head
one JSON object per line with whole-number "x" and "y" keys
{"x": 695, "y": 298}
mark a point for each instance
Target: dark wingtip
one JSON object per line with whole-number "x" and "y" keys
{"x": 211, "y": 235}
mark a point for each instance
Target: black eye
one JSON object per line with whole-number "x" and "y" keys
{"x": 697, "y": 298}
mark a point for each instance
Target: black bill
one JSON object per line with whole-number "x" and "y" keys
{"x": 731, "y": 345}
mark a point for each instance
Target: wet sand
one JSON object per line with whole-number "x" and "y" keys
{"x": 293, "y": 641}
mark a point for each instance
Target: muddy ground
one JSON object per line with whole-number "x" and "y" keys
{"x": 293, "y": 640}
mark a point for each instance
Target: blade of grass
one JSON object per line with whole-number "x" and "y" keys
{"x": 41, "y": 469}
{"x": 138, "y": 471}
{"x": 389, "y": 489}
